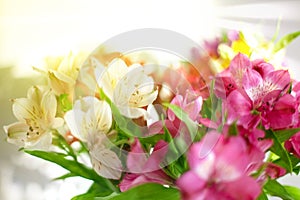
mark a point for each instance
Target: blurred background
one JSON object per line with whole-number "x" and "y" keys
{"x": 33, "y": 29}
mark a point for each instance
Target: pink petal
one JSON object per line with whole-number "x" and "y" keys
{"x": 262, "y": 67}
{"x": 245, "y": 188}
{"x": 137, "y": 158}
{"x": 279, "y": 80}
{"x": 238, "y": 105}
{"x": 282, "y": 114}
{"x": 200, "y": 150}
{"x": 238, "y": 66}
{"x": 190, "y": 184}
{"x": 252, "y": 83}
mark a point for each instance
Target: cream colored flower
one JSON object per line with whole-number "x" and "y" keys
{"x": 90, "y": 120}
{"x": 63, "y": 71}
{"x": 130, "y": 88}
{"x": 36, "y": 115}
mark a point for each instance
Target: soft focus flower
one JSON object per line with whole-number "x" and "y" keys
{"x": 218, "y": 169}
{"x": 36, "y": 115}
{"x": 130, "y": 88}
{"x": 143, "y": 169}
{"x": 62, "y": 72}
{"x": 90, "y": 120}
{"x": 252, "y": 45}
{"x": 293, "y": 145}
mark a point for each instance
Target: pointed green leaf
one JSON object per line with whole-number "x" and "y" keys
{"x": 73, "y": 166}
{"x": 65, "y": 176}
{"x": 262, "y": 196}
{"x": 285, "y": 134}
{"x": 293, "y": 191}
{"x": 285, "y": 40}
{"x": 148, "y": 191}
{"x": 279, "y": 150}
{"x": 95, "y": 190}
{"x": 274, "y": 188}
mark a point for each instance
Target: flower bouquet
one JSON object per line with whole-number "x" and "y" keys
{"x": 222, "y": 122}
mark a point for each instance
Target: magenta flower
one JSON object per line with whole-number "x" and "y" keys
{"x": 218, "y": 169}
{"x": 143, "y": 169}
{"x": 255, "y": 92}
{"x": 293, "y": 145}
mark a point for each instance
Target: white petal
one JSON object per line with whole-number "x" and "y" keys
{"x": 75, "y": 121}
{"x": 24, "y": 108}
{"x": 17, "y": 133}
{"x": 106, "y": 163}
{"x": 48, "y": 105}
{"x": 42, "y": 143}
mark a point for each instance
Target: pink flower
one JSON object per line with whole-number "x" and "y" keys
{"x": 293, "y": 145}
{"x": 218, "y": 169}
{"x": 255, "y": 92}
{"x": 143, "y": 169}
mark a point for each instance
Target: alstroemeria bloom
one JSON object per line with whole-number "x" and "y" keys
{"x": 256, "y": 93}
{"x": 90, "y": 120}
{"x": 218, "y": 169}
{"x": 62, "y": 72}
{"x": 130, "y": 88}
{"x": 143, "y": 169}
{"x": 36, "y": 115}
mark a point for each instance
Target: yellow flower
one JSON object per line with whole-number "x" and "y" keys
{"x": 254, "y": 46}
{"x": 36, "y": 115}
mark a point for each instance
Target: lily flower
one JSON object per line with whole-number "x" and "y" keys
{"x": 36, "y": 115}
{"x": 62, "y": 72}
{"x": 130, "y": 88}
{"x": 90, "y": 120}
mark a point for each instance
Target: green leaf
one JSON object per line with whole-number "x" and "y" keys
{"x": 274, "y": 188}
{"x": 262, "y": 196}
{"x": 95, "y": 190}
{"x": 148, "y": 191}
{"x": 74, "y": 167}
{"x": 285, "y": 134}
{"x": 279, "y": 150}
{"x": 293, "y": 191}
{"x": 65, "y": 176}
{"x": 285, "y": 40}
{"x": 126, "y": 125}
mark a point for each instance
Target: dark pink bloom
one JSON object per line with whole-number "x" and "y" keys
{"x": 293, "y": 145}
{"x": 257, "y": 94}
{"x": 218, "y": 169}
{"x": 143, "y": 169}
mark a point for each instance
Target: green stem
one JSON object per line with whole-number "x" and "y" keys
{"x": 111, "y": 185}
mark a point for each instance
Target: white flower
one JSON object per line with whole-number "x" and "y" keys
{"x": 36, "y": 115}
{"x": 90, "y": 120}
{"x": 130, "y": 88}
